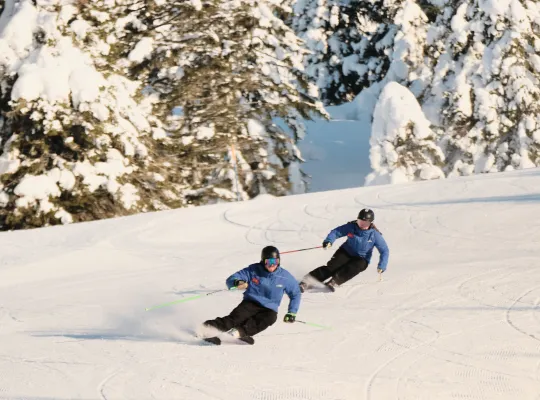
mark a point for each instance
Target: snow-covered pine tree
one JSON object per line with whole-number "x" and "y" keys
{"x": 76, "y": 138}
{"x": 403, "y": 146}
{"x": 359, "y": 43}
{"x": 232, "y": 68}
{"x": 400, "y": 44}
{"x": 486, "y": 85}
{"x": 408, "y": 62}
{"x": 323, "y": 26}
{"x": 340, "y": 37}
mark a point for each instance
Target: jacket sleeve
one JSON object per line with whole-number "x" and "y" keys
{"x": 243, "y": 275}
{"x": 293, "y": 291}
{"x": 381, "y": 245}
{"x": 338, "y": 232}
{"x": 368, "y": 255}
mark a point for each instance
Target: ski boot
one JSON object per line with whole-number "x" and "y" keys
{"x": 245, "y": 338}
{"x": 332, "y": 285}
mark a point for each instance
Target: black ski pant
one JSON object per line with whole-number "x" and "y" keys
{"x": 248, "y": 317}
{"x": 341, "y": 267}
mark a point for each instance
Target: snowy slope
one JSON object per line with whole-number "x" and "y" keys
{"x": 457, "y": 315}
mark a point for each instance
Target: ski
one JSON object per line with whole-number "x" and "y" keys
{"x": 318, "y": 288}
{"x": 214, "y": 340}
{"x": 217, "y": 341}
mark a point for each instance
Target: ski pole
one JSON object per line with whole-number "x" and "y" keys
{"x": 188, "y": 299}
{"x": 315, "y": 325}
{"x": 294, "y": 251}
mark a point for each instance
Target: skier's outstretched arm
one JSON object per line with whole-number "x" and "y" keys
{"x": 338, "y": 232}
{"x": 381, "y": 245}
{"x": 242, "y": 275}
{"x": 294, "y": 294}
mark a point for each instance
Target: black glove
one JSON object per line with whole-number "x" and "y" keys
{"x": 289, "y": 317}
{"x": 240, "y": 284}
{"x": 326, "y": 244}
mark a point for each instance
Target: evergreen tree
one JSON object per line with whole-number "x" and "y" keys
{"x": 485, "y": 88}
{"x": 357, "y": 44}
{"x": 233, "y": 67}
{"x": 77, "y": 139}
{"x": 322, "y": 24}
{"x": 403, "y": 146}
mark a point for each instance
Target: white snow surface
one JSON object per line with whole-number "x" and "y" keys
{"x": 142, "y": 50}
{"x": 396, "y": 108}
{"x": 455, "y": 316}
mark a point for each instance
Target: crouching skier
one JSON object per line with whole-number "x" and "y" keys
{"x": 265, "y": 283}
{"x": 353, "y": 256}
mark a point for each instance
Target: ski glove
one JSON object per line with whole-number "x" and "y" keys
{"x": 240, "y": 284}
{"x": 326, "y": 245}
{"x": 380, "y": 271}
{"x": 289, "y": 317}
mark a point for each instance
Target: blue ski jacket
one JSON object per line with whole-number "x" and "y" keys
{"x": 267, "y": 288}
{"x": 360, "y": 242}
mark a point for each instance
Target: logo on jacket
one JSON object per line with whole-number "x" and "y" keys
{"x": 279, "y": 285}
{"x": 350, "y": 235}
{"x": 255, "y": 280}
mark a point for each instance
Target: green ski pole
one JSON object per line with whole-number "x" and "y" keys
{"x": 188, "y": 299}
{"x": 315, "y": 325}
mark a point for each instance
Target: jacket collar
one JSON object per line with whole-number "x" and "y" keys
{"x": 265, "y": 272}
{"x": 368, "y": 230}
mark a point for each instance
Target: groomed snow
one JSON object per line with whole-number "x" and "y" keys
{"x": 456, "y": 316}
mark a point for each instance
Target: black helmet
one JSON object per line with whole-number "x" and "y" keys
{"x": 269, "y": 252}
{"x": 366, "y": 215}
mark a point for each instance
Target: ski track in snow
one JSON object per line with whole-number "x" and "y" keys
{"x": 513, "y": 324}
{"x": 456, "y": 315}
{"x": 406, "y": 349}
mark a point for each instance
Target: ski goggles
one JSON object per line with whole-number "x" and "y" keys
{"x": 271, "y": 262}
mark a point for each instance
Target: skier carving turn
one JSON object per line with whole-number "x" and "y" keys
{"x": 354, "y": 254}
{"x": 265, "y": 282}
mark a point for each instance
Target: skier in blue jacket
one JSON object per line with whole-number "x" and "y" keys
{"x": 265, "y": 282}
{"x": 354, "y": 255}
